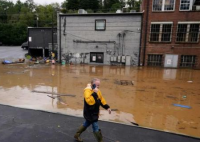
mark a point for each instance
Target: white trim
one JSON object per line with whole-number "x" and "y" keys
{"x": 162, "y": 6}
{"x": 160, "y": 31}
{"x": 190, "y": 6}
{"x": 189, "y": 22}
{"x": 161, "y": 22}
{"x": 168, "y": 10}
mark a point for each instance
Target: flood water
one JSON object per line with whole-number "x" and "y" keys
{"x": 142, "y": 95}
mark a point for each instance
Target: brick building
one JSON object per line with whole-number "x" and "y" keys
{"x": 170, "y": 34}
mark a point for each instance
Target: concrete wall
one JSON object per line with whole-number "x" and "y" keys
{"x": 82, "y": 27}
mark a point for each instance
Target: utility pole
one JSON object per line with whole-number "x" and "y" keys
{"x": 37, "y": 20}
{"x": 43, "y": 43}
{"x": 52, "y": 33}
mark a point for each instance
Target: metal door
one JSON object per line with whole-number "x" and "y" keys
{"x": 96, "y": 57}
{"x": 171, "y": 61}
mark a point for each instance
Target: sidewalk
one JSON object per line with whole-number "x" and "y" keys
{"x": 24, "y": 125}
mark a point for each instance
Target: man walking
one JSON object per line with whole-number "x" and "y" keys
{"x": 92, "y": 101}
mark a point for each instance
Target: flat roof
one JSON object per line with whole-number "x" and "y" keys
{"x": 101, "y": 14}
{"x": 42, "y": 27}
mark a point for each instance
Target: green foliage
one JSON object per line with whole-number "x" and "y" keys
{"x": 72, "y": 4}
{"x": 15, "y": 18}
{"x": 115, "y": 7}
{"x": 13, "y": 34}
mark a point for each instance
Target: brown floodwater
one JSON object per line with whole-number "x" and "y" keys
{"x": 142, "y": 95}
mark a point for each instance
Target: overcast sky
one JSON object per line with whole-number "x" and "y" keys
{"x": 42, "y": 2}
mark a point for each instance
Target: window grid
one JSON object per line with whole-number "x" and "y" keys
{"x": 100, "y": 25}
{"x": 163, "y": 5}
{"x": 157, "y": 5}
{"x": 166, "y": 32}
{"x": 169, "y": 5}
{"x": 187, "y": 33}
{"x": 155, "y": 30}
{"x": 185, "y": 5}
{"x": 188, "y": 61}
{"x": 161, "y": 32}
{"x": 193, "y": 33}
{"x": 154, "y": 60}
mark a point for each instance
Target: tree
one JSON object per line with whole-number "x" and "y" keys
{"x": 73, "y": 4}
{"x": 15, "y": 18}
{"x": 108, "y": 3}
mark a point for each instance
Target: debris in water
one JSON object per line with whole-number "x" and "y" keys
{"x": 69, "y": 95}
{"x": 124, "y": 82}
{"x": 183, "y": 106}
{"x": 114, "y": 110}
{"x": 51, "y": 97}
{"x": 171, "y": 97}
{"x": 135, "y": 123}
{"x": 184, "y": 96}
{"x": 190, "y": 81}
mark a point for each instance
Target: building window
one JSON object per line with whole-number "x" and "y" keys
{"x": 187, "y": 32}
{"x": 163, "y": 5}
{"x": 154, "y": 60}
{"x": 185, "y": 4}
{"x": 188, "y": 60}
{"x": 100, "y": 25}
{"x": 161, "y": 32}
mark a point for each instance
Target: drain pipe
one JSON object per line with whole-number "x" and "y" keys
{"x": 140, "y": 39}
{"x": 119, "y": 43}
{"x": 123, "y": 47}
{"x": 60, "y": 35}
{"x": 147, "y": 21}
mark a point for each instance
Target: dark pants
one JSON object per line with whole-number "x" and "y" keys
{"x": 95, "y": 125}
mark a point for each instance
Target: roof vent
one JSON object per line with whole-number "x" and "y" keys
{"x": 82, "y": 11}
{"x": 132, "y": 11}
{"x": 119, "y": 11}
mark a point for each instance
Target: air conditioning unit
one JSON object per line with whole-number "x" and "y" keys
{"x": 118, "y": 59}
{"x": 115, "y": 59}
{"x": 111, "y": 59}
{"x": 123, "y": 59}
{"x": 196, "y": 8}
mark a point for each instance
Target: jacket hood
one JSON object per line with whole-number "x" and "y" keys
{"x": 88, "y": 87}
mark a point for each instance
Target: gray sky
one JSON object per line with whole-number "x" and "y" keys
{"x": 43, "y": 2}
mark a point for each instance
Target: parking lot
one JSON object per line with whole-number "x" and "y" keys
{"x": 12, "y": 52}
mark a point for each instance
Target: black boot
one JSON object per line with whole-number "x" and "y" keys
{"x": 98, "y": 136}
{"x": 78, "y": 133}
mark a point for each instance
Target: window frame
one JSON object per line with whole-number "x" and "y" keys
{"x": 155, "y": 60}
{"x": 96, "y": 20}
{"x": 190, "y": 7}
{"x": 188, "y": 64}
{"x": 163, "y": 7}
{"x": 161, "y": 32}
{"x": 188, "y": 32}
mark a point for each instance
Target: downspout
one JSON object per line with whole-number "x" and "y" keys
{"x": 147, "y": 21}
{"x": 123, "y": 49}
{"x": 119, "y": 43}
{"x": 140, "y": 40}
{"x": 60, "y": 35}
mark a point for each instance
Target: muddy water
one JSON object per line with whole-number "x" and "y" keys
{"x": 146, "y": 97}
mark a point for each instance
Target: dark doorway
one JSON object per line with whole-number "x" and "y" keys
{"x": 38, "y": 52}
{"x": 96, "y": 57}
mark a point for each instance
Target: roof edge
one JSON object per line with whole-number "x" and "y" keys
{"x": 101, "y": 14}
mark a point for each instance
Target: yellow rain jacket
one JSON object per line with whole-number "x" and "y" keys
{"x": 92, "y": 102}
